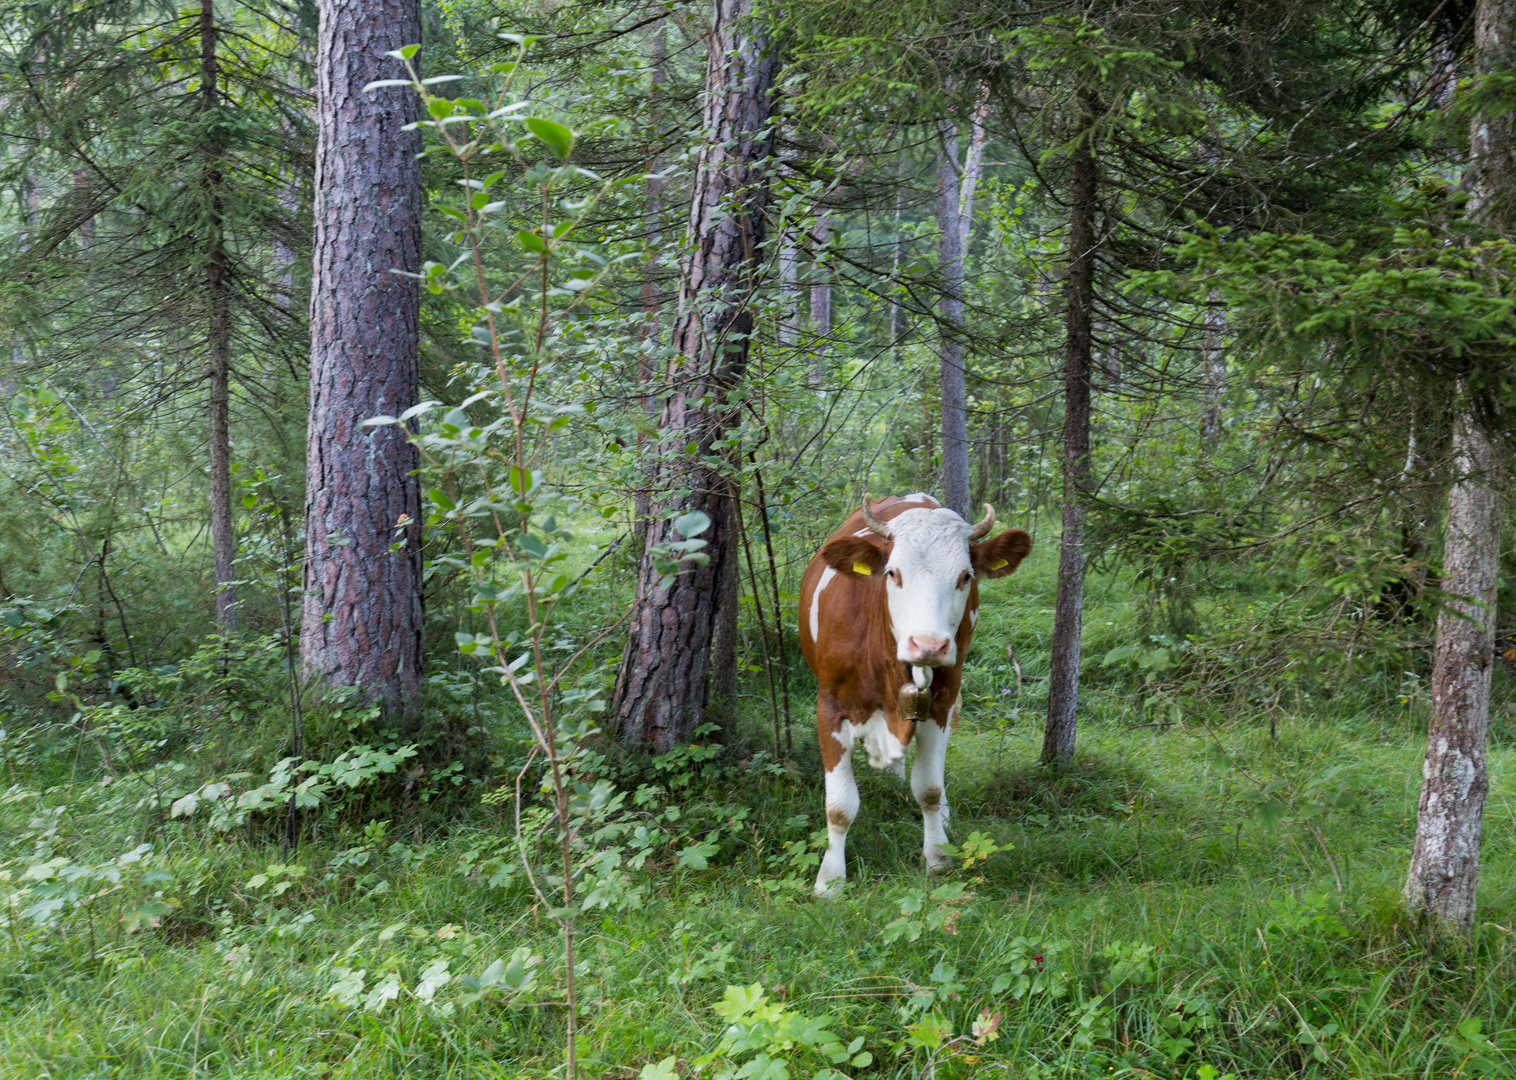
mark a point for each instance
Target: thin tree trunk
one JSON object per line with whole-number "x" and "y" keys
{"x": 955, "y": 437}
{"x": 973, "y": 166}
{"x": 1213, "y": 369}
{"x": 666, "y": 678}
{"x": 361, "y": 617}
{"x": 898, "y": 323}
{"x": 789, "y": 291}
{"x": 821, "y": 290}
{"x": 1068, "y": 609}
{"x": 218, "y": 348}
{"x": 1444, "y": 873}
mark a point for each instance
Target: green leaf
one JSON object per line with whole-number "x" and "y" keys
{"x": 664, "y": 1070}
{"x": 249, "y": 500}
{"x": 692, "y": 524}
{"x": 557, "y": 138}
{"x": 438, "y": 496}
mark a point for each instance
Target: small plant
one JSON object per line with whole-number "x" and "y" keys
{"x": 764, "y": 1038}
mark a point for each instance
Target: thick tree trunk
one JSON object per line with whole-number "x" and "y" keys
{"x": 652, "y": 302}
{"x": 1444, "y": 873}
{"x": 666, "y": 679}
{"x": 218, "y": 347}
{"x": 1455, "y": 779}
{"x": 361, "y": 614}
{"x": 955, "y": 435}
{"x": 1068, "y": 608}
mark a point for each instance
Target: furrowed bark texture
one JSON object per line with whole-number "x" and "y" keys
{"x": 218, "y": 348}
{"x": 361, "y": 614}
{"x": 1068, "y": 608}
{"x": 651, "y": 300}
{"x": 1444, "y": 873}
{"x": 955, "y": 432}
{"x": 666, "y": 674}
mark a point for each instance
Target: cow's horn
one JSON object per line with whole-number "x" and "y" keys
{"x": 983, "y": 528}
{"x": 874, "y": 524}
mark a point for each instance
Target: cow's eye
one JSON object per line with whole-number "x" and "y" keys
{"x": 893, "y": 575}
{"x": 963, "y": 581}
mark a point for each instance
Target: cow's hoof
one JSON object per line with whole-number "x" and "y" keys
{"x": 829, "y": 888}
{"x": 937, "y": 862}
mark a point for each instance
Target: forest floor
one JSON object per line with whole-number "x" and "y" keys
{"x": 1188, "y": 900}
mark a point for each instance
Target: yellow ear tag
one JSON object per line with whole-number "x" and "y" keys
{"x": 998, "y": 563}
{"x": 862, "y": 568}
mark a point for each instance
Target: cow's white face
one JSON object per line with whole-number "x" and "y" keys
{"x": 927, "y": 580}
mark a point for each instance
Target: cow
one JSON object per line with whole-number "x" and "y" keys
{"x": 887, "y": 613}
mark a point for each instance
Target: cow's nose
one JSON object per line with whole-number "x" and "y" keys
{"x": 927, "y": 650}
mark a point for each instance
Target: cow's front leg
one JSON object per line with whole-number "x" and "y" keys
{"x": 928, "y": 787}
{"x": 841, "y": 792}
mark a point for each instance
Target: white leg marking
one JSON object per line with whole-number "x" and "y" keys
{"x": 841, "y": 809}
{"x": 927, "y": 785}
{"x": 826, "y": 577}
{"x": 880, "y": 743}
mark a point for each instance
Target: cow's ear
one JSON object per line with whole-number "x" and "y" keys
{"x": 863, "y": 556}
{"x": 1000, "y": 556}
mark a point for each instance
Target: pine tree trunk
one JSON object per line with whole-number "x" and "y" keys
{"x": 955, "y": 437}
{"x": 652, "y": 302}
{"x": 1444, "y": 873}
{"x": 662, "y": 694}
{"x": 361, "y": 614}
{"x": 218, "y": 349}
{"x": 1068, "y": 608}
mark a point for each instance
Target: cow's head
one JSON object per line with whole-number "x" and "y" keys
{"x": 928, "y": 559}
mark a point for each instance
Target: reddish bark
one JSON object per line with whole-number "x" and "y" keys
{"x": 361, "y": 614}
{"x": 666, "y": 677}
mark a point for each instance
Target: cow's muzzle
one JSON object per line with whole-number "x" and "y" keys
{"x": 928, "y": 651}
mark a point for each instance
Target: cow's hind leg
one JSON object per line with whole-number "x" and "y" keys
{"x": 841, "y": 792}
{"x": 927, "y": 784}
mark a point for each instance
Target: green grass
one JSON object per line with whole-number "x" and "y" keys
{"x": 1176, "y": 930}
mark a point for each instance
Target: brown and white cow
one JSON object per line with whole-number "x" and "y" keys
{"x": 888, "y": 603}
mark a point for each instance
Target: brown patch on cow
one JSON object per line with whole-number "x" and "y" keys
{"x": 1000, "y": 556}
{"x": 930, "y": 799}
{"x": 838, "y": 820}
{"x": 845, "y": 554}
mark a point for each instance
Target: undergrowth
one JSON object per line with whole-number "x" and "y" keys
{"x": 1198, "y": 897}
